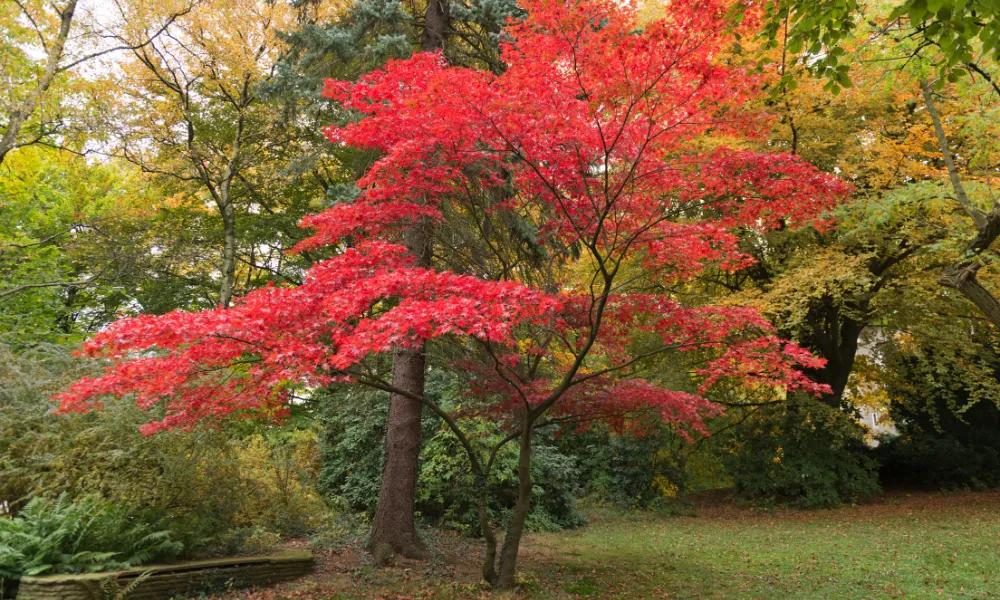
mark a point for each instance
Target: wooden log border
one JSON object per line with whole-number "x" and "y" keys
{"x": 167, "y": 581}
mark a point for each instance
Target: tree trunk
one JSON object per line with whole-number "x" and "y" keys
{"x": 228, "y": 251}
{"x": 490, "y": 556}
{"x": 507, "y": 576}
{"x": 436, "y": 25}
{"x": 393, "y": 530}
{"x": 840, "y": 362}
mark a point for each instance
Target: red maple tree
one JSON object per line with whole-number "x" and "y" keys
{"x": 597, "y": 137}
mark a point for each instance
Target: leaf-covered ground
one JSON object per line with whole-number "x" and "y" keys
{"x": 899, "y": 546}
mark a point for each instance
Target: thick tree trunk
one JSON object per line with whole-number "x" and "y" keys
{"x": 507, "y": 575}
{"x": 393, "y": 530}
{"x": 840, "y": 362}
{"x": 436, "y": 25}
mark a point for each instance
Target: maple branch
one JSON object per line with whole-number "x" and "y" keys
{"x": 637, "y": 358}
{"x": 499, "y": 368}
{"x": 973, "y": 66}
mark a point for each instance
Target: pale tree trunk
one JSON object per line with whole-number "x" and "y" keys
{"x": 20, "y": 114}
{"x": 961, "y": 275}
{"x": 227, "y": 209}
{"x": 222, "y": 195}
{"x": 228, "y": 253}
{"x": 393, "y": 529}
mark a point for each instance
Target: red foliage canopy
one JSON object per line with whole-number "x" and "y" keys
{"x": 597, "y": 133}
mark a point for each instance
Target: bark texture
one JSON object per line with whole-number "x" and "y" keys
{"x": 507, "y": 575}
{"x": 393, "y": 530}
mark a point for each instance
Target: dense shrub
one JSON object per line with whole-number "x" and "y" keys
{"x": 267, "y": 473}
{"x": 801, "y": 453}
{"x": 352, "y": 446}
{"x": 938, "y": 462}
{"x": 631, "y": 471}
{"x": 29, "y": 436}
{"x": 447, "y": 492}
{"x": 277, "y": 474}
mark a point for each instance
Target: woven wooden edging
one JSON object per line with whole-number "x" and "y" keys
{"x": 167, "y": 581}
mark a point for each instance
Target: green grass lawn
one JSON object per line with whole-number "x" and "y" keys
{"x": 917, "y": 546}
{"x": 945, "y": 546}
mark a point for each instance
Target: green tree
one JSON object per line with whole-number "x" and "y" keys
{"x": 73, "y": 244}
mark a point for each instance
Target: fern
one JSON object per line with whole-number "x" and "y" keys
{"x": 63, "y": 536}
{"x": 112, "y": 590}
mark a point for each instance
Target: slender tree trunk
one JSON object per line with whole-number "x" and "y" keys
{"x": 393, "y": 530}
{"x": 507, "y": 576}
{"x": 490, "y": 556}
{"x": 17, "y": 117}
{"x": 228, "y": 253}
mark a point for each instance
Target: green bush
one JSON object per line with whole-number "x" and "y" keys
{"x": 801, "y": 453}
{"x": 352, "y": 446}
{"x": 352, "y": 452}
{"x": 30, "y": 436}
{"x": 63, "y": 536}
{"x": 340, "y": 529}
{"x": 246, "y": 540}
{"x": 267, "y": 472}
{"x": 938, "y": 462}
{"x": 630, "y": 471}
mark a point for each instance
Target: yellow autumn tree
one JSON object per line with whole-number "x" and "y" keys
{"x": 188, "y": 107}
